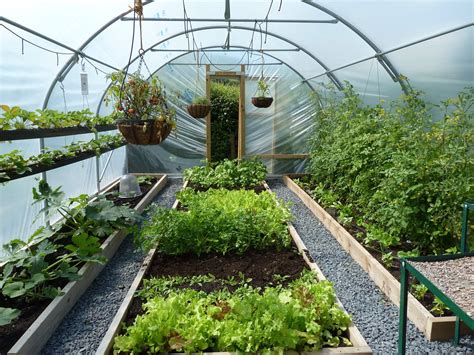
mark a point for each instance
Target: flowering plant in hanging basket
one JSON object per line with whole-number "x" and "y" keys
{"x": 261, "y": 99}
{"x": 140, "y": 105}
{"x": 200, "y": 107}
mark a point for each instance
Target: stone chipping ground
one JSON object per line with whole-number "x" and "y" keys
{"x": 373, "y": 313}
{"x": 83, "y": 328}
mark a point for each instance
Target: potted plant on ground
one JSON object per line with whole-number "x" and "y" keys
{"x": 261, "y": 99}
{"x": 144, "y": 116}
{"x": 200, "y": 107}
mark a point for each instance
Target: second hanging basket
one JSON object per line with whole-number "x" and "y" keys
{"x": 198, "y": 110}
{"x": 262, "y": 102}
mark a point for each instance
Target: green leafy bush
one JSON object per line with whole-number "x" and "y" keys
{"x": 218, "y": 221}
{"x": 303, "y": 316}
{"x": 33, "y": 267}
{"x": 405, "y": 173}
{"x": 17, "y": 118}
{"x": 224, "y": 119}
{"x": 229, "y": 174}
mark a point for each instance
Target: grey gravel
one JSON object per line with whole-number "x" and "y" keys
{"x": 454, "y": 277}
{"x": 83, "y": 328}
{"x": 373, "y": 313}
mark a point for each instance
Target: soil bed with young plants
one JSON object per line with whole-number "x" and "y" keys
{"x": 36, "y": 271}
{"x": 226, "y": 276}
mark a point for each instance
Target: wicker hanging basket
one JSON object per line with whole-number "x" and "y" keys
{"x": 198, "y": 110}
{"x": 143, "y": 132}
{"x": 262, "y": 102}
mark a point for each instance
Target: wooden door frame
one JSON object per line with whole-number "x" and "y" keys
{"x": 241, "y": 127}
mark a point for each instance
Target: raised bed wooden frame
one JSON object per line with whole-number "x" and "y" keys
{"x": 434, "y": 328}
{"x": 360, "y": 346}
{"x": 36, "y": 336}
{"x": 32, "y": 133}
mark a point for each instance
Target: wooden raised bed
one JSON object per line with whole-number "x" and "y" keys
{"x": 360, "y": 346}
{"x": 31, "y": 133}
{"x": 434, "y": 328}
{"x": 44, "y": 326}
{"x": 39, "y": 168}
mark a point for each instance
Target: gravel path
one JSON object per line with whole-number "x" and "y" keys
{"x": 373, "y": 313}
{"x": 453, "y": 278}
{"x": 83, "y": 328}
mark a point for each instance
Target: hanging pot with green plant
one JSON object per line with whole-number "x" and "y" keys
{"x": 261, "y": 100}
{"x": 200, "y": 107}
{"x": 140, "y": 105}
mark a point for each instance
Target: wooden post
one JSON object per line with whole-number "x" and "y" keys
{"x": 208, "y": 117}
{"x": 241, "y": 138}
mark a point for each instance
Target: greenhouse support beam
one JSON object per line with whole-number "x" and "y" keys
{"x": 70, "y": 63}
{"x": 49, "y": 39}
{"x": 331, "y": 76}
{"x": 333, "y": 21}
{"x": 99, "y": 106}
{"x": 424, "y": 39}
{"x": 245, "y": 49}
{"x": 384, "y": 61}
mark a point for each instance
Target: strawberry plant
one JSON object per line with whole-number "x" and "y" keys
{"x": 14, "y": 162}
{"x": 218, "y": 221}
{"x": 17, "y": 118}
{"x": 229, "y": 174}
{"x": 303, "y": 316}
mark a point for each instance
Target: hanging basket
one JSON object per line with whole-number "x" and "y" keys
{"x": 143, "y": 132}
{"x": 262, "y": 102}
{"x": 198, "y": 110}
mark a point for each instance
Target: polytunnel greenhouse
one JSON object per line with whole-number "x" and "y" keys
{"x": 230, "y": 176}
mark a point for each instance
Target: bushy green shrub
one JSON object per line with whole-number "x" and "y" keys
{"x": 218, "y": 221}
{"x": 229, "y": 174}
{"x": 406, "y": 173}
{"x": 303, "y": 316}
{"x": 224, "y": 119}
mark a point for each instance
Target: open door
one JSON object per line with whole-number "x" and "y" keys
{"x": 225, "y": 125}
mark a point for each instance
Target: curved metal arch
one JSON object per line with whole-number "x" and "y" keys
{"x": 383, "y": 60}
{"x": 99, "y": 106}
{"x": 242, "y": 47}
{"x": 331, "y": 76}
{"x": 69, "y": 64}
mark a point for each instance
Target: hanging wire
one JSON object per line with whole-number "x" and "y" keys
{"x": 129, "y": 60}
{"x": 378, "y": 80}
{"x": 23, "y": 39}
{"x": 61, "y": 85}
{"x": 368, "y": 78}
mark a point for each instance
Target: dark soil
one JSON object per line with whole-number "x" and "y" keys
{"x": 359, "y": 233}
{"x": 30, "y": 310}
{"x": 260, "y": 266}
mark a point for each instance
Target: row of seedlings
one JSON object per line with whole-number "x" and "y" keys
{"x": 224, "y": 274}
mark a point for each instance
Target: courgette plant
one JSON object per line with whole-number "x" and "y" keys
{"x": 55, "y": 253}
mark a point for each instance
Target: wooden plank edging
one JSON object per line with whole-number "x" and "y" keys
{"x": 434, "y": 328}
{"x": 36, "y": 336}
{"x": 115, "y": 326}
